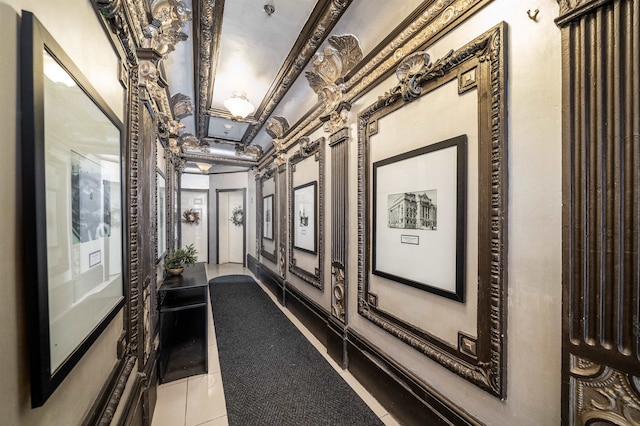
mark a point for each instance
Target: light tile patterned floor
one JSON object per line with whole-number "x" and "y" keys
{"x": 199, "y": 400}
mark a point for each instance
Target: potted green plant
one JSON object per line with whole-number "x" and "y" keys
{"x": 175, "y": 261}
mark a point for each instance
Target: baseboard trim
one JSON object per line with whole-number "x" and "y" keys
{"x": 252, "y": 264}
{"x": 272, "y": 281}
{"x": 308, "y": 312}
{"x": 407, "y": 398}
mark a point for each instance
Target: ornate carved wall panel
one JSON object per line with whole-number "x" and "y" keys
{"x": 601, "y": 272}
{"x": 480, "y": 65}
{"x": 315, "y": 151}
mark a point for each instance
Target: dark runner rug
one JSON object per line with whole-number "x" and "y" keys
{"x": 271, "y": 373}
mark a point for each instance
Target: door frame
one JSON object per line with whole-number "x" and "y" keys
{"x": 208, "y": 224}
{"x": 244, "y": 224}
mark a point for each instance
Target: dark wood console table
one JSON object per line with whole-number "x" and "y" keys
{"x": 183, "y": 324}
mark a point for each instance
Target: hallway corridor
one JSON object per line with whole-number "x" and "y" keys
{"x": 199, "y": 400}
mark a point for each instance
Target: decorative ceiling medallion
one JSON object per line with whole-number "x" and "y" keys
{"x": 277, "y": 127}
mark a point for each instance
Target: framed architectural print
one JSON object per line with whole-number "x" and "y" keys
{"x": 305, "y": 217}
{"x": 419, "y": 236}
{"x": 419, "y": 217}
{"x": 267, "y": 217}
{"x": 306, "y": 211}
{"x": 73, "y": 218}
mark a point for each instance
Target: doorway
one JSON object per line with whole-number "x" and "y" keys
{"x": 195, "y": 221}
{"x": 231, "y": 241}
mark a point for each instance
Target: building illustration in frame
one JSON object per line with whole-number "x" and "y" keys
{"x": 413, "y": 210}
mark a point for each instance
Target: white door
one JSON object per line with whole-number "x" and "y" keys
{"x": 195, "y": 227}
{"x": 230, "y": 236}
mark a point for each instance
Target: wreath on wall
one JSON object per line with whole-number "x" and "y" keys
{"x": 237, "y": 216}
{"x": 191, "y": 217}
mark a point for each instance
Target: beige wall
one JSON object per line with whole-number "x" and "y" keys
{"x": 91, "y": 52}
{"x": 534, "y": 227}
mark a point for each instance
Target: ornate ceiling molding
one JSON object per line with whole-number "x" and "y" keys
{"x": 431, "y": 23}
{"x": 327, "y": 14}
{"x": 206, "y": 47}
{"x": 208, "y": 27}
{"x": 214, "y": 159}
{"x": 253, "y": 151}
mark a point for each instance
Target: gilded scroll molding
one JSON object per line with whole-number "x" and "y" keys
{"x": 604, "y": 394}
{"x": 330, "y": 66}
{"x": 488, "y": 370}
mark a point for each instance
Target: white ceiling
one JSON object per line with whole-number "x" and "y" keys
{"x": 252, "y": 50}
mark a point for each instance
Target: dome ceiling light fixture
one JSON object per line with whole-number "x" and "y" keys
{"x": 238, "y": 105}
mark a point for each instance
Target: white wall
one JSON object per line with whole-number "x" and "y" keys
{"x": 92, "y": 53}
{"x": 534, "y": 226}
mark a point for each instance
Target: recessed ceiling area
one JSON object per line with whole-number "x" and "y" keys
{"x": 236, "y": 46}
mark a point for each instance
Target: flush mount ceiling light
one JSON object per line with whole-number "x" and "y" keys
{"x": 238, "y": 105}
{"x": 204, "y": 167}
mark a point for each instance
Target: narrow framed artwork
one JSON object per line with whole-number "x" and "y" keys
{"x": 72, "y": 178}
{"x": 419, "y": 204}
{"x": 267, "y": 217}
{"x": 305, "y": 217}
